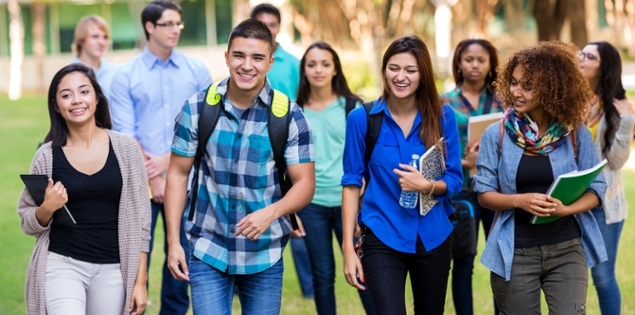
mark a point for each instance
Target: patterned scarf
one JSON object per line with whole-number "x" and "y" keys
{"x": 524, "y": 132}
{"x": 596, "y": 111}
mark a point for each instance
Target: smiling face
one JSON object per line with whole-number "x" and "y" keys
{"x": 523, "y": 93}
{"x": 402, "y": 75}
{"x": 75, "y": 99}
{"x": 248, "y": 60}
{"x": 95, "y": 43}
{"x": 474, "y": 63}
{"x": 166, "y": 32}
{"x": 590, "y": 62}
{"x": 319, "y": 68}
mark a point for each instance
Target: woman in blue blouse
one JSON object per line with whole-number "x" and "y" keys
{"x": 474, "y": 69}
{"x": 323, "y": 94}
{"x": 545, "y": 98}
{"x": 398, "y": 242}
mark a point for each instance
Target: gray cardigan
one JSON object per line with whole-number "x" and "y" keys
{"x": 615, "y": 204}
{"x": 133, "y": 226}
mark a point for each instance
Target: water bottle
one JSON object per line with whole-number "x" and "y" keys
{"x": 408, "y": 199}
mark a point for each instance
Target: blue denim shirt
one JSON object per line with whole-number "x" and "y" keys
{"x": 398, "y": 227}
{"x": 499, "y": 250}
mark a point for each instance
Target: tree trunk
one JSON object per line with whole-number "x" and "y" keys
{"x": 577, "y": 17}
{"x": 16, "y": 37}
{"x": 39, "y": 47}
{"x": 550, "y": 16}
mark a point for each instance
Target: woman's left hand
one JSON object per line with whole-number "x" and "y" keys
{"x": 410, "y": 179}
{"x": 560, "y": 210}
{"x": 139, "y": 299}
{"x": 623, "y": 107}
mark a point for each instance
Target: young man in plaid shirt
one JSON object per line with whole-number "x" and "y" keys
{"x": 240, "y": 225}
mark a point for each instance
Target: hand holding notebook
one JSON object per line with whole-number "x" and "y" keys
{"x": 36, "y": 186}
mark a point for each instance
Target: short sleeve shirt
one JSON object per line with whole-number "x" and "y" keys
{"x": 239, "y": 177}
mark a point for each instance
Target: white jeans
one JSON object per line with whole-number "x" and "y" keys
{"x": 77, "y": 287}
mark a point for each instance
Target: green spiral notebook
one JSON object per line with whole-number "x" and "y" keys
{"x": 569, "y": 187}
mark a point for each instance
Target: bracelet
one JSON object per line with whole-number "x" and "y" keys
{"x": 433, "y": 182}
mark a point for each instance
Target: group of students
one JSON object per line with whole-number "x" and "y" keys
{"x": 562, "y": 112}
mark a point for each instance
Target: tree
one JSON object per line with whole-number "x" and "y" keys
{"x": 39, "y": 46}
{"x": 16, "y": 37}
{"x": 577, "y": 18}
{"x": 550, "y": 16}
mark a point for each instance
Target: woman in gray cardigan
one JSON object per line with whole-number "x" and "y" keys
{"x": 96, "y": 265}
{"x": 611, "y": 120}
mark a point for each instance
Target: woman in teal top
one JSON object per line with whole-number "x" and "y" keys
{"x": 474, "y": 69}
{"x": 323, "y": 93}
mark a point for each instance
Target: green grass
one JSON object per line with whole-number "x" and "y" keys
{"x": 24, "y": 123}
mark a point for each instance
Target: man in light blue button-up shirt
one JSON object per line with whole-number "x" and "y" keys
{"x": 146, "y": 95}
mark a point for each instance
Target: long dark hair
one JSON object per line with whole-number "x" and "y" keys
{"x": 339, "y": 85}
{"x": 58, "y": 133}
{"x": 609, "y": 87}
{"x": 493, "y": 59}
{"x": 427, "y": 96}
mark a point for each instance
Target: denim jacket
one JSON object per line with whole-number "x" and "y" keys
{"x": 499, "y": 250}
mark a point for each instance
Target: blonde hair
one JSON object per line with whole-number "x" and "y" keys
{"x": 81, "y": 30}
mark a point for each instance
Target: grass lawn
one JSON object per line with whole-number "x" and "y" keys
{"x": 24, "y": 124}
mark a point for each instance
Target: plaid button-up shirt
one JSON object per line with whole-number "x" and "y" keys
{"x": 239, "y": 177}
{"x": 463, "y": 110}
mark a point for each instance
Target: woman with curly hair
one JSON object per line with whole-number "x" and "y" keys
{"x": 611, "y": 120}
{"x": 541, "y": 136}
{"x": 474, "y": 69}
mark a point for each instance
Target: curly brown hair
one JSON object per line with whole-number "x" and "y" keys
{"x": 552, "y": 67}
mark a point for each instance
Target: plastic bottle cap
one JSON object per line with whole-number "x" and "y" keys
{"x": 415, "y": 156}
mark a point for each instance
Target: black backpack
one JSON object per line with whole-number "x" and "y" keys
{"x": 278, "y": 127}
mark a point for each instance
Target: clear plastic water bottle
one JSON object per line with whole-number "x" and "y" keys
{"x": 408, "y": 199}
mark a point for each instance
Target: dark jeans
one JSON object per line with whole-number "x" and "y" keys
{"x": 386, "y": 270}
{"x": 302, "y": 265}
{"x": 320, "y": 223}
{"x": 462, "y": 268}
{"x": 174, "y": 297}
{"x": 559, "y": 270}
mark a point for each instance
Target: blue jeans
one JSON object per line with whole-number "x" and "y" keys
{"x": 320, "y": 223}
{"x": 603, "y": 274}
{"x": 213, "y": 290}
{"x": 386, "y": 270}
{"x": 302, "y": 264}
{"x": 174, "y": 297}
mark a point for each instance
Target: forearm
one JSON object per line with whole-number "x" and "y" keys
{"x": 44, "y": 215}
{"x": 298, "y": 197}
{"x": 585, "y": 203}
{"x": 498, "y": 202}
{"x": 175, "y": 198}
{"x": 142, "y": 273}
{"x": 350, "y": 206}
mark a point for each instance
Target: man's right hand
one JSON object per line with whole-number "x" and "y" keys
{"x": 157, "y": 188}
{"x": 177, "y": 263}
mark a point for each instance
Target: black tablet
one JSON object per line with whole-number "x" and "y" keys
{"x": 36, "y": 185}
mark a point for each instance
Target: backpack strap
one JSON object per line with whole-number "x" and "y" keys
{"x": 208, "y": 115}
{"x": 500, "y": 138}
{"x": 350, "y": 105}
{"x": 373, "y": 125}
{"x": 574, "y": 143}
{"x": 278, "y": 127}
